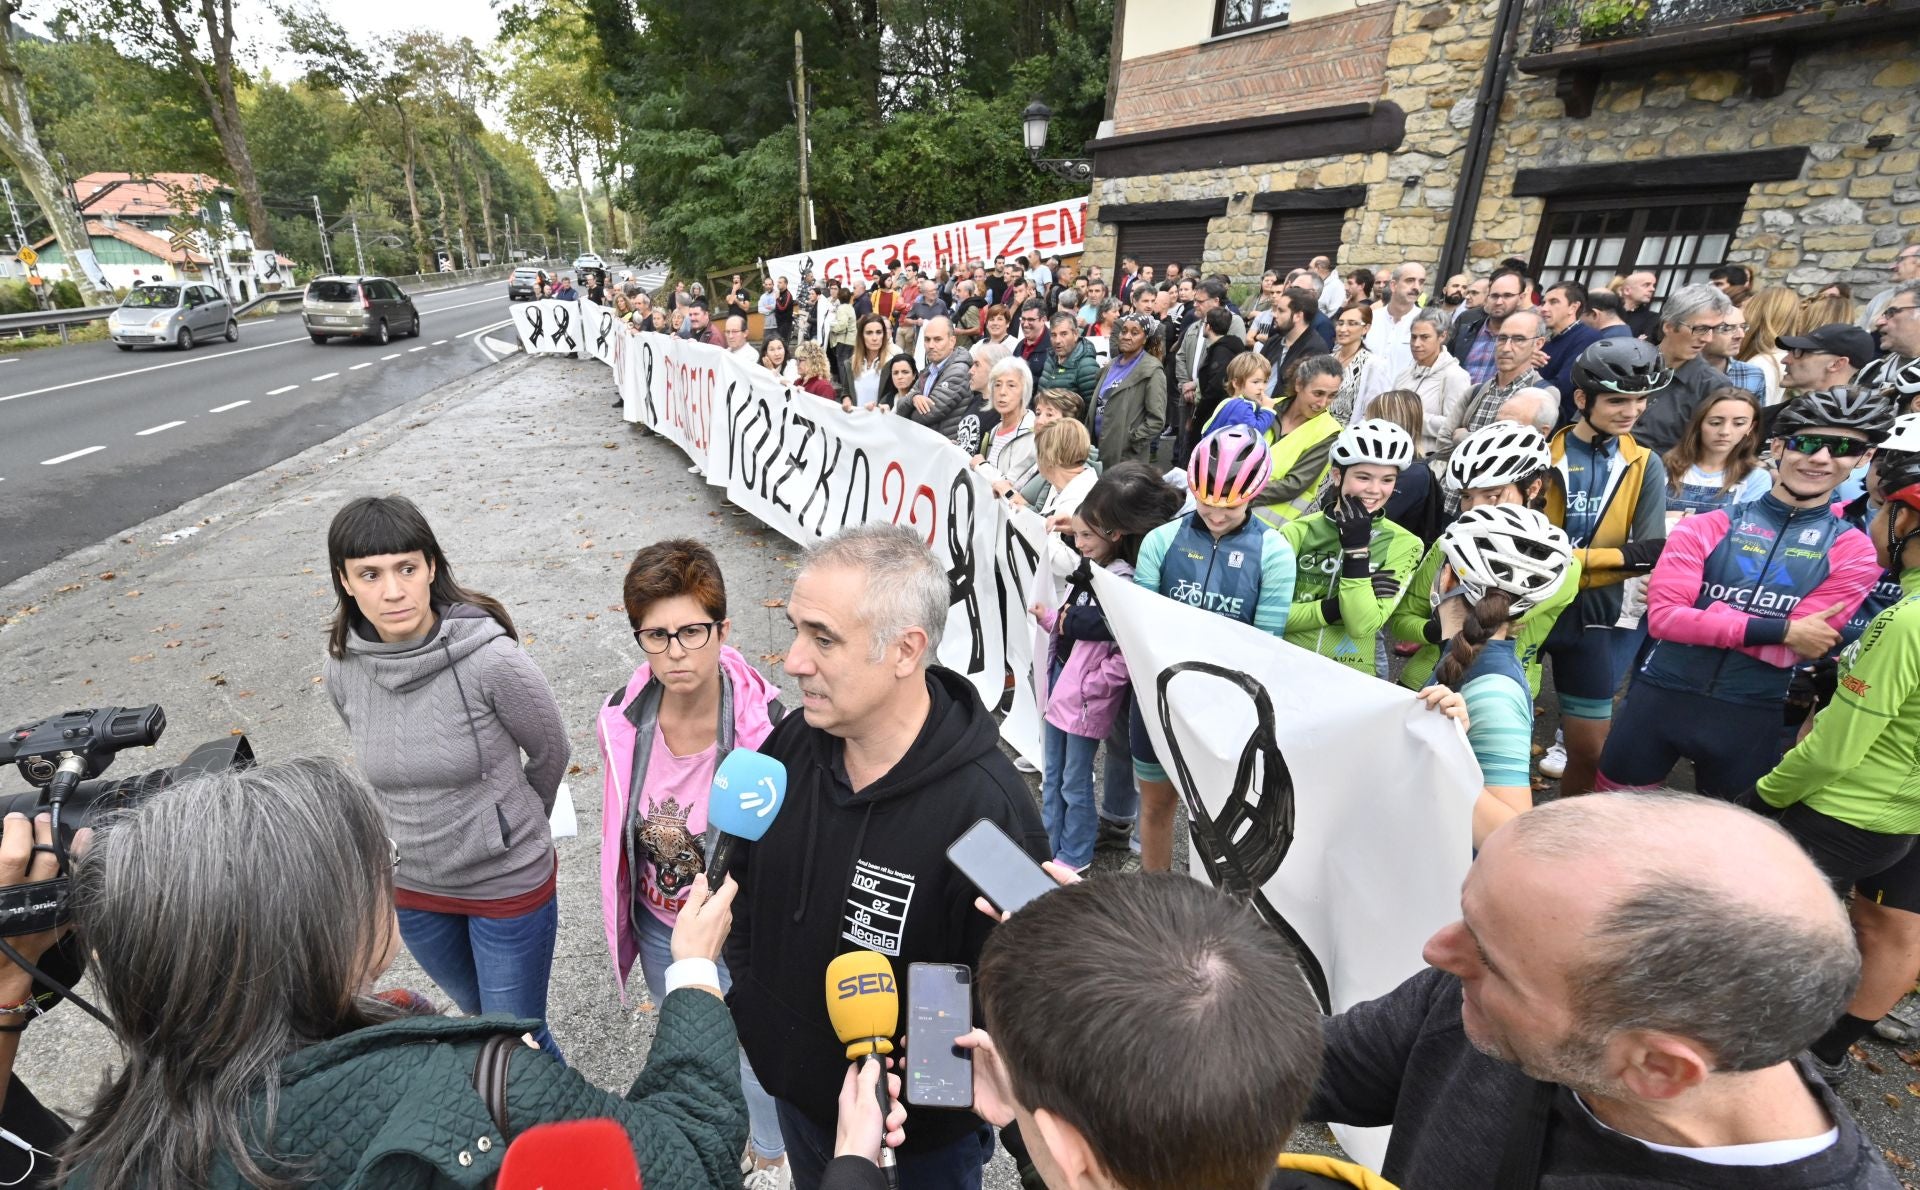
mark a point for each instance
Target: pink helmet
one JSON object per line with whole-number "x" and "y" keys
{"x": 1229, "y": 467}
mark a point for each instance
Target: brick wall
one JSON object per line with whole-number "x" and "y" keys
{"x": 1324, "y": 61}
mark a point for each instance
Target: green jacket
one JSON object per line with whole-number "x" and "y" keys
{"x": 1316, "y": 552}
{"x": 393, "y": 1107}
{"x": 1077, "y": 375}
{"x": 1411, "y": 617}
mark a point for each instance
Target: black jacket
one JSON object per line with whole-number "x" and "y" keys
{"x": 1465, "y": 327}
{"x": 1283, "y": 357}
{"x": 840, "y": 871}
{"x": 1213, "y": 376}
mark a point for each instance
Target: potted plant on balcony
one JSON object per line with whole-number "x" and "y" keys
{"x": 1606, "y": 20}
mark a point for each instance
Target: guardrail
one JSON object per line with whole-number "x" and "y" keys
{"x": 65, "y": 320}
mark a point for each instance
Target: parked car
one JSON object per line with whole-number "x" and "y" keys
{"x": 524, "y": 285}
{"x": 358, "y": 308}
{"x": 172, "y": 315}
{"x": 588, "y": 260}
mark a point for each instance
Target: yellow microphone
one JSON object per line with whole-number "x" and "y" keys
{"x": 863, "y": 1002}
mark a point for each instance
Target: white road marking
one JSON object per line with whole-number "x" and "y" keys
{"x": 67, "y": 458}
{"x": 229, "y": 405}
{"x": 489, "y": 327}
{"x": 357, "y": 367}
{"x": 285, "y": 388}
{"x": 411, "y": 350}
{"x": 439, "y": 342}
{"x": 156, "y": 429}
{"x": 325, "y": 376}
{"x": 11, "y": 359}
{"x": 385, "y": 358}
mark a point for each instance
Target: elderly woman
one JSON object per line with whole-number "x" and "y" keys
{"x": 1007, "y": 453}
{"x": 294, "y": 1073}
{"x": 1129, "y": 406}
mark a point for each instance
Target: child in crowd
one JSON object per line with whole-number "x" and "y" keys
{"x": 1248, "y": 403}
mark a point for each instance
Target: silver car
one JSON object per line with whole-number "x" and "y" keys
{"x": 358, "y": 307}
{"x": 172, "y": 315}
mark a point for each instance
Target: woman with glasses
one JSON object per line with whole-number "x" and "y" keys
{"x": 1367, "y": 374}
{"x": 456, "y": 730}
{"x": 692, "y": 700}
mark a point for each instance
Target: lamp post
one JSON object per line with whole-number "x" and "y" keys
{"x": 1033, "y": 127}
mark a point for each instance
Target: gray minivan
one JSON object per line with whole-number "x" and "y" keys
{"x": 357, "y": 307}
{"x": 175, "y": 315}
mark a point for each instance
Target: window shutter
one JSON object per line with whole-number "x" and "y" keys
{"x": 1160, "y": 241}
{"x": 1299, "y": 236}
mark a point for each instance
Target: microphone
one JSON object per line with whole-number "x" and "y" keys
{"x": 575, "y": 1155}
{"x": 864, "y": 1005}
{"x": 748, "y": 789}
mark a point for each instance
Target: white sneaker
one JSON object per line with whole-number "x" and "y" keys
{"x": 1024, "y": 765}
{"x": 1553, "y": 762}
{"x": 771, "y": 1177}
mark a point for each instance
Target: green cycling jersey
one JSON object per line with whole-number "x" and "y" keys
{"x": 1861, "y": 762}
{"x": 1415, "y": 610}
{"x": 1316, "y": 550}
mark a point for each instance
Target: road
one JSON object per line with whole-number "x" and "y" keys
{"x": 94, "y": 439}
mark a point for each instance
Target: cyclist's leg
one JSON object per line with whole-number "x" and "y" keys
{"x": 1644, "y": 742}
{"x": 1585, "y": 678}
{"x": 1886, "y": 917}
{"x": 1156, "y": 797}
{"x": 1732, "y": 745}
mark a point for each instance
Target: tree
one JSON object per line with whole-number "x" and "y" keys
{"x": 21, "y": 141}
{"x": 555, "y": 101}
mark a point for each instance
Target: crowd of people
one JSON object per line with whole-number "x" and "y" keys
{"x": 1463, "y": 495}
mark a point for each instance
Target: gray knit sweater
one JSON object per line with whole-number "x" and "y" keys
{"x": 438, "y": 726}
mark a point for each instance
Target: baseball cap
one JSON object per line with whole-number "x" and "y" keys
{"x": 1837, "y": 338}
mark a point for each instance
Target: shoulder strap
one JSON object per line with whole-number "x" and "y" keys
{"x": 490, "y": 1078}
{"x": 1527, "y": 1139}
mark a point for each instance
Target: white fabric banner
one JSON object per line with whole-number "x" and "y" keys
{"x": 1050, "y": 229}
{"x": 1336, "y": 802}
{"x": 548, "y": 327}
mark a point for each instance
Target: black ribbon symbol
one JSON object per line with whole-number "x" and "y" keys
{"x": 563, "y": 325}
{"x": 536, "y": 325}
{"x": 1244, "y": 846}
{"x": 961, "y": 587}
{"x": 605, "y": 332}
{"x": 646, "y": 368}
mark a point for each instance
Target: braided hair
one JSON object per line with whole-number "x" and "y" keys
{"x": 1484, "y": 618}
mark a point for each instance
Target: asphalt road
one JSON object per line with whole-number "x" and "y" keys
{"x": 94, "y": 439}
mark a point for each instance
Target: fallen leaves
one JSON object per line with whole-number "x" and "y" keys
{"x": 172, "y": 644}
{"x": 773, "y": 603}
{"x": 574, "y": 770}
{"x": 140, "y": 658}
{"x": 107, "y": 576}
{"x": 67, "y": 588}
{"x": 773, "y": 658}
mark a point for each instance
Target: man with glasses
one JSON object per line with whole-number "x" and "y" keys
{"x": 1472, "y": 342}
{"x": 1516, "y": 338}
{"x": 1033, "y": 345}
{"x": 1906, "y": 272}
{"x": 1387, "y": 337}
{"x": 1692, "y": 317}
{"x": 1826, "y": 356}
{"x": 1740, "y": 596}
{"x": 1724, "y": 346}
{"x": 1899, "y": 324}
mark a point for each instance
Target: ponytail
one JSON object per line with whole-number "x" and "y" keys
{"x": 1483, "y": 620}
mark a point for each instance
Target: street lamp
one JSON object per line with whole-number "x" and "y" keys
{"x": 1033, "y": 128}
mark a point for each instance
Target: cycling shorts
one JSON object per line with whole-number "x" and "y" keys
{"x": 1731, "y": 744}
{"x": 1884, "y": 868}
{"x": 1146, "y": 765}
{"x": 1589, "y": 664}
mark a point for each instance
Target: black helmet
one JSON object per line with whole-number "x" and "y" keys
{"x": 1630, "y": 366}
{"x": 1846, "y": 407}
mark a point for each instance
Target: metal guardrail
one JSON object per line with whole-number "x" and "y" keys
{"x": 1565, "y": 23}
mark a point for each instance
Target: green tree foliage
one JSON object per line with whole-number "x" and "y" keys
{"x": 915, "y": 118}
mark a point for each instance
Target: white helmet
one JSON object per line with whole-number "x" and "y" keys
{"x": 1504, "y": 547}
{"x": 1376, "y": 441}
{"x": 1900, "y": 382}
{"x": 1903, "y": 438}
{"x": 1496, "y": 455}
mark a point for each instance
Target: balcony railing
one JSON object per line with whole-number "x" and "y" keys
{"x": 1566, "y": 23}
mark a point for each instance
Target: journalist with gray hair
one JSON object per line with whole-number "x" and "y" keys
{"x": 891, "y": 758}
{"x": 1625, "y": 1000}
{"x": 238, "y": 923}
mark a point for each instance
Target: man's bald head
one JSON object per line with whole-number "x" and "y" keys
{"x": 937, "y": 336}
{"x": 1532, "y": 406}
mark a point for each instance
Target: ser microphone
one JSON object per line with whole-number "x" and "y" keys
{"x": 748, "y": 790}
{"x": 574, "y": 1155}
{"x": 863, "y": 1002}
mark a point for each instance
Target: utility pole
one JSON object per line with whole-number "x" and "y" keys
{"x": 326, "y": 241}
{"x": 800, "y": 115}
{"x": 20, "y": 240}
{"x": 466, "y": 257}
{"x": 359, "y": 254}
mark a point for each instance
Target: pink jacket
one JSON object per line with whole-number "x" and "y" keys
{"x": 1086, "y": 699}
{"x": 752, "y": 695}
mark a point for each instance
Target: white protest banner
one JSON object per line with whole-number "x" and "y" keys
{"x": 1338, "y": 803}
{"x": 1051, "y": 229}
{"x": 547, "y": 327}
{"x": 599, "y": 330}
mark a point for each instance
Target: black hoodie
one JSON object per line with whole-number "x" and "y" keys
{"x": 879, "y": 856}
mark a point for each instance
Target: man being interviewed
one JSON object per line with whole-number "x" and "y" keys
{"x": 892, "y": 759}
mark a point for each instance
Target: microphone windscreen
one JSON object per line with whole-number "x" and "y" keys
{"x": 574, "y": 1155}
{"x": 862, "y": 1002}
{"x": 748, "y": 789}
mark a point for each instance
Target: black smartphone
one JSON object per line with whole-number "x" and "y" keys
{"x": 1008, "y": 876}
{"x": 939, "y": 1009}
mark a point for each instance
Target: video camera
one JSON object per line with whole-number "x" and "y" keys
{"x": 62, "y": 756}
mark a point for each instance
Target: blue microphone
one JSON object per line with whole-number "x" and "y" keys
{"x": 748, "y": 789}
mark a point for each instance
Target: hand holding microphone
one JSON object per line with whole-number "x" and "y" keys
{"x": 862, "y": 1130}
{"x": 748, "y": 790}
{"x": 863, "y": 1002}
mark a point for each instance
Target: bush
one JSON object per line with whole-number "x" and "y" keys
{"x": 66, "y": 296}
{"x": 16, "y": 298}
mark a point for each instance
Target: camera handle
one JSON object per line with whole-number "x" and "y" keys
{"x": 66, "y": 778}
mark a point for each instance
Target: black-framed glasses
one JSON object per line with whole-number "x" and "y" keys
{"x": 1838, "y": 447}
{"x": 1894, "y": 311}
{"x": 691, "y": 636}
{"x": 1515, "y": 340}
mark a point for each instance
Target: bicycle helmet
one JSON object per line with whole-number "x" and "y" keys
{"x": 1503, "y": 547}
{"x": 1631, "y": 366}
{"x": 1898, "y": 476}
{"x": 1902, "y": 441}
{"x": 1375, "y": 441}
{"x": 1901, "y": 384}
{"x": 1229, "y": 467}
{"x": 1846, "y": 407}
{"x": 1506, "y": 452}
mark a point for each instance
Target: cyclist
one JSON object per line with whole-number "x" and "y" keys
{"x": 1902, "y": 439}
{"x": 1850, "y": 791}
{"x": 1352, "y": 560}
{"x": 1612, "y": 502}
{"x": 1738, "y": 595}
{"x": 1503, "y": 463}
{"x": 1221, "y": 558}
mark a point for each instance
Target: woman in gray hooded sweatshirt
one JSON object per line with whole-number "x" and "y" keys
{"x": 456, "y": 730}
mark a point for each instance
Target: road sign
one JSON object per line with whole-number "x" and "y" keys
{"x": 29, "y": 257}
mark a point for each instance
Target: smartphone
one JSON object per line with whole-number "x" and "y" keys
{"x": 939, "y": 1009}
{"x": 1007, "y": 875}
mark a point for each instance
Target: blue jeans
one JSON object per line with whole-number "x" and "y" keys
{"x": 656, "y": 955}
{"x": 489, "y": 964}
{"x": 956, "y": 1167}
{"x": 1066, "y": 795}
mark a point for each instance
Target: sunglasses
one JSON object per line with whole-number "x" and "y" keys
{"x": 1839, "y": 448}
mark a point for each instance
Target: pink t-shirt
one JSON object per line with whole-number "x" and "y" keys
{"x": 672, "y": 818}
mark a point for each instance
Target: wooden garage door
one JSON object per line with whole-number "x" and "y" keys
{"x": 1299, "y": 236}
{"x": 1160, "y": 241}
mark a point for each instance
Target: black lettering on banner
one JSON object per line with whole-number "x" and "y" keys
{"x": 1244, "y": 846}
{"x": 563, "y": 325}
{"x": 605, "y": 332}
{"x": 773, "y": 456}
{"x": 734, "y": 427}
{"x": 862, "y": 467}
{"x": 750, "y": 466}
{"x": 821, "y": 483}
{"x": 960, "y": 579}
{"x": 536, "y": 325}
{"x": 1013, "y": 611}
{"x": 794, "y": 460}
{"x": 646, "y": 367}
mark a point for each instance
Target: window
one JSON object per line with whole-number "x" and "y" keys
{"x": 1157, "y": 241}
{"x": 1678, "y": 238}
{"x": 1298, "y": 236}
{"x": 1234, "y": 16}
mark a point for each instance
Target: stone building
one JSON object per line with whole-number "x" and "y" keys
{"x": 1588, "y": 136}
